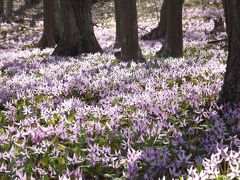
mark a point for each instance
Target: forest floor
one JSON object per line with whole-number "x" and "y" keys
{"x": 94, "y": 117}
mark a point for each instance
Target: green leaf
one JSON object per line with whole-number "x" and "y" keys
{"x": 38, "y": 74}
{"x": 2, "y": 131}
{"x": 44, "y": 161}
{"x": 61, "y": 147}
{"x": 199, "y": 168}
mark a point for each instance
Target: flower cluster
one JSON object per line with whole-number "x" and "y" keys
{"x": 224, "y": 164}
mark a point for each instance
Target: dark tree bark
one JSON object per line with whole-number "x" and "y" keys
{"x": 78, "y": 34}
{"x": 58, "y": 23}
{"x": 32, "y": 1}
{"x": 101, "y": 1}
{"x": 160, "y": 31}
{"x": 231, "y": 87}
{"x": 49, "y": 33}
{"x": 129, "y": 32}
{"x": 9, "y": 8}
{"x": 118, "y": 13}
{"x": 1, "y": 8}
{"x": 70, "y": 38}
{"x": 173, "y": 44}
{"x": 83, "y": 14}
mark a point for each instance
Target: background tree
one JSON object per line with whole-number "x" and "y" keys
{"x": 118, "y": 13}
{"x": 130, "y": 49}
{"x": 173, "y": 43}
{"x": 160, "y": 31}
{"x": 1, "y": 8}
{"x": 231, "y": 87}
{"x": 57, "y": 17}
{"x": 78, "y": 35}
{"x": 9, "y": 8}
{"x": 49, "y": 37}
{"x": 31, "y": 1}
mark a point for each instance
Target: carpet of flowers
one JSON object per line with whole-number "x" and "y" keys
{"x": 92, "y": 116}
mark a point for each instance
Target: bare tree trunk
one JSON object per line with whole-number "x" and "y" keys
{"x": 160, "y": 31}
{"x": 70, "y": 39}
{"x": 231, "y": 87}
{"x": 1, "y": 8}
{"x": 173, "y": 44}
{"x": 9, "y": 8}
{"x": 58, "y": 23}
{"x": 129, "y": 32}
{"x": 78, "y": 34}
{"x": 83, "y": 15}
{"x": 118, "y": 13}
{"x": 49, "y": 33}
{"x": 31, "y": 1}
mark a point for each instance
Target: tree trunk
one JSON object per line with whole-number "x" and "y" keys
{"x": 1, "y": 8}
{"x": 78, "y": 34}
{"x": 49, "y": 33}
{"x": 129, "y": 31}
{"x": 160, "y": 31}
{"x": 231, "y": 87}
{"x": 83, "y": 14}
{"x": 9, "y": 8}
{"x": 58, "y": 23}
{"x": 118, "y": 13}
{"x": 173, "y": 44}
{"x": 31, "y": 2}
